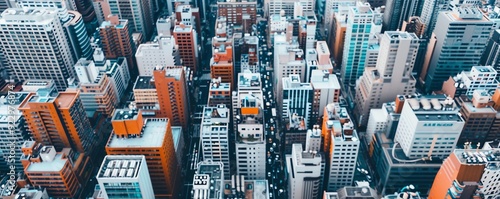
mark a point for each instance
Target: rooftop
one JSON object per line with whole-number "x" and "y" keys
{"x": 121, "y": 24}
{"x": 249, "y": 80}
{"x": 433, "y": 107}
{"x": 27, "y": 15}
{"x": 208, "y": 179}
{"x": 324, "y": 80}
{"x": 330, "y": 195}
{"x": 48, "y": 166}
{"x": 154, "y": 131}
{"x": 182, "y": 28}
{"x": 249, "y": 118}
{"x": 357, "y": 192}
{"x": 125, "y": 114}
{"x": 478, "y": 156}
{"x": 293, "y": 82}
{"x": 121, "y": 166}
{"x": 249, "y": 189}
{"x": 144, "y": 82}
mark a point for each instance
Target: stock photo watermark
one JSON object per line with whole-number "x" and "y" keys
{"x": 11, "y": 122}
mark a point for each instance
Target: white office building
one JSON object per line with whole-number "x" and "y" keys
{"x": 326, "y": 90}
{"x": 288, "y": 60}
{"x": 304, "y": 173}
{"x": 49, "y": 56}
{"x": 214, "y": 134}
{"x": 317, "y": 59}
{"x": 392, "y": 75}
{"x": 429, "y": 126}
{"x": 139, "y": 14}
{"x": 337, "y": 7}
{"x": 478, "y": 78}
{"x": 361, "y": 24}
{"x": 272, "y": 7}
{"x": 161, "y": 52}
{"x": 343, "y": 147}
{"x": 296, "y": 101}
{"x": 248, "y": 106}
{"x": 313, "y": 139}
{"x": 125, "y": 174}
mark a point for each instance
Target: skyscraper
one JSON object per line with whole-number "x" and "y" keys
{"x": 460, "y": 42}
{"x": 62, "y": 173}
{"x": 341, "y": 144}
{"x": 275, "y": 7}
{"x": 221, "y": 64}
{"x": 173, "y": 94}
{"x": 477, "y": 111}
{"x": 186, "y": 38}
{"x": 335, "y": 8}
{"x": 24, "y": 59}
{"x": 132, "y": 135}
{"x": 397, "y": 11}
{"x": 138, "y": 13}
{"x": 214, "y": 135}
{"x": 73, "y": 24}
{"x": 296, "y": 102}
{"x": 117, "y": 41}
{"x": 429, "y": 126}
{"x": 163, "y": 52}
{"x": 326, "y": 90}
{"x": 392, "y": 75}
{"x": 59, "y": 119}
{"x": 239, "y": 13}
{"x": 125, "y": 172}
{"x": 97, "y": 90}
{"x": 304, "y": 173}
{"x": 461, "y": 173}
{"x": 248, "y": 111}
{"x": 491, "y": 55}
{"x": 430, "y": 13}
{"x": 361, "y": 24}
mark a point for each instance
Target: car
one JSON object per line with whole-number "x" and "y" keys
{"x": 272, "y": 150}
{"x": 272, "y": 133}
{"x": 268, "y": 174}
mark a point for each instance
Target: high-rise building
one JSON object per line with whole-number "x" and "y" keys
{"x": 307, "y": 31}
{"x": 341, "y": 144}
{"x": 138, "y": 13}
{"x": 116, "y": 39}
{"x": 429, "y": 126}
{"x": 13, "y": 131}
{"x": 64, "y": 173}
{"x": 239, "y": 12}
{"x": 132, "y": 134}
{"x": 214, "y": 134}
{"x": 162, "y": 52}
{"x": 97, "y": 90}
{"x": 288, "y": 60}
{"x": 221, "y": 64}
{"x": 296, "y": 102}
{"x": 336, "y": 36}
{"x": 145, "y": 96}
{"x": 117, "y": 69}
{"x": 449, "y": 58}
{"x": 397, "y": 11}
{"x": 491, "y": 55}
{"x": 219, "y": 93}
{"x": 288, "y": 6}
{"x": 125, "y": 176}
{"x": 186, "y": 39}
{"x": 248, "y": 111}
{"x": 461, "y": 173}
{"x": 73, "y": 24}
{"x": 326, "y": 88}
{"x": 59, "y": 119}
{"x": 318, "y": 59}
{"x": 238, "y": 182}
{"x": 304, "y": 173}
{"x": 209, "y": 174}
{"x": 188, "y": 15}
{"x": 334, "y": 9}
{"x": 430, "y": 13}
{"x": 361, "y": 24}
{"x": 391, "y": 76}
{"x": 101, "y": 9}
{"x": 414, "y": 25}
{"x": 465, "y": 83}
{"x": 246, "y": 53}
{"x": 86, "y": 8}
{"x": 477, "y": 111}
{"x": 55, "y": 62}
{"x": 173, "y": 94}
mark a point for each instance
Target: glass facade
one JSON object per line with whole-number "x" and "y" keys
{"x": 123, "y": 190}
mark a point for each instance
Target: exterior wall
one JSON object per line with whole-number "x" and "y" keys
{"x": 172, "y": 96}
{"x": 185, "y": 38}
{"x": 117, "y": 41}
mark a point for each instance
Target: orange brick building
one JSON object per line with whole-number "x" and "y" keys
{"x": 152, "y": 138}
{"x": 59, "y": 119}
{"x": 63, "y": 174}
{"x": 458, "y": 172}
{"x": 173, "y": 96}
{"x": 186, "y": 40}
{"x": 117, "y": 41}
{"x": 221, "y": 64}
